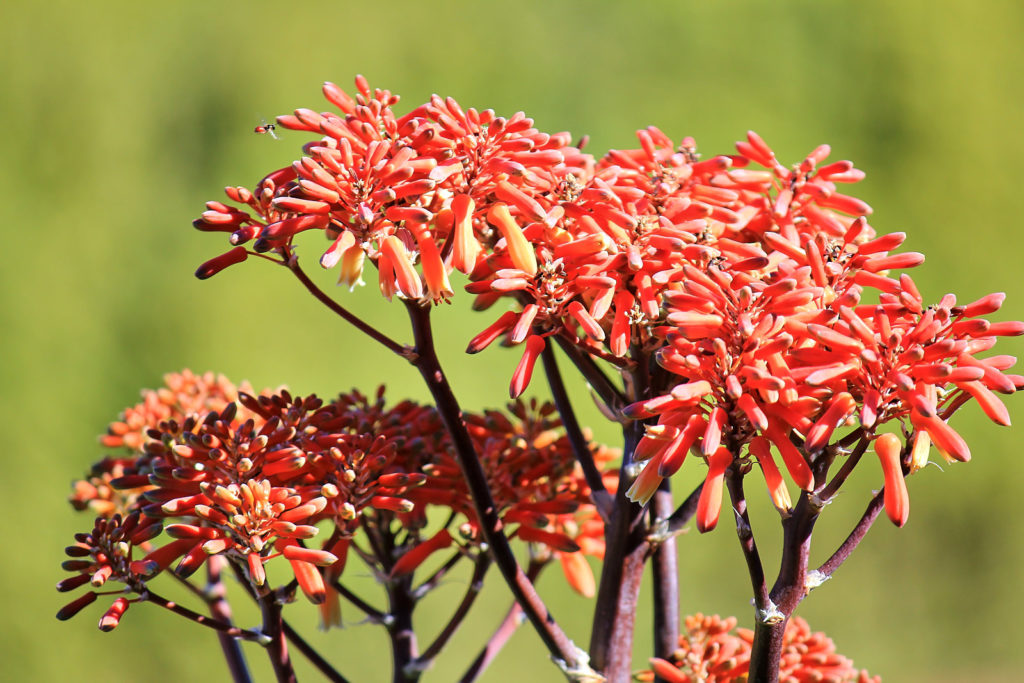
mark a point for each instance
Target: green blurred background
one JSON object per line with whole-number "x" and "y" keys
{"x": 119, "y": 119}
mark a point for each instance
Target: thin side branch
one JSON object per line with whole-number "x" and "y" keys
{"x": 685, "y": 512}
{"x": 734, "y": 481}
{"x": 216, "y": 598}
{"x": 476, "y": 584}
{"x": 203, "y": 620}
{"x": 666, "y": 577}
{"x": 277, "y": 647}
{"x": 599, "y": 382}
{"x": 580, "y": 446}
{"x": 346, "y": 315}
{"x": 329, "y": 672}
{"x": 372, "y": 613}
{"x": 851, "y": 461}
{"x": 509, "y": 625}
{"x": 843, "y": 552}
{"x": 431, "y": 582}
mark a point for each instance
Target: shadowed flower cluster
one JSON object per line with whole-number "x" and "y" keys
{"x": 255, "y": 479}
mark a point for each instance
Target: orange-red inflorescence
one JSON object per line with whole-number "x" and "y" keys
{"x": 713, "y": 650}
{"x": 258, "y": 478}
{"x": 776, "y": 314}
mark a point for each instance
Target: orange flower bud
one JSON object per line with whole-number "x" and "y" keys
{"x": 519, "y": 249}
{"x": 897, "y": 501}
{"x": 710, "y": 502}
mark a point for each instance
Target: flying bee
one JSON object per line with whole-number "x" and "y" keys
{"x": 265, "y": 128}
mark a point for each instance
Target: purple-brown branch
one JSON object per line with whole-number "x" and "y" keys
{"x": 220, "y": 609}
{"x": 426, "y": 361}
{"x": 621, "y": 570}
{"x": 509, "y": 625}
{"x": 322, "y": 665}
{"x": 344, "y": 313}
{"x": 734, "y": 482}
{"x": 203, "y": 620}
{"x": 277, "y": 646}
{"x": 853, "y": 540}
{"x": 472, "y": 591}
{"x": 580, "y": 446}
{"x": 665, "y": 573}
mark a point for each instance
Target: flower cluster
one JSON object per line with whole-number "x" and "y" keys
{"x": 769, "y": 303}
{"x": 107, "y": 554}
{"x": 713, "y": 650}
{"x": 257, "y": 478}
{"x": 115, "y": 483}
{"x": 772, "y": 342}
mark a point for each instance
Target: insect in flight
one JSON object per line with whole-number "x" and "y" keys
{"x": 264, "y": 128}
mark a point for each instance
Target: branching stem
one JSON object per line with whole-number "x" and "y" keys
{"x": 426, "y": 361}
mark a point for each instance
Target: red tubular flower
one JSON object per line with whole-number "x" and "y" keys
{"x": 414, "y": 557}
{"x": 182, "y": 395}
{"x": 710, "y": 502}
{"x": 897, "y": 501}
{"x": 768, "y": 313}
{"x": 112, "y": 617}
{"x": 379, "y": 177}
{"x": 524, "y": 371}
{"x": 761, "y": 449}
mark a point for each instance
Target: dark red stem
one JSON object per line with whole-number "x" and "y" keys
{"x": 867, "y": 519}
{"x": 790, "y": 589}
{"x": 476, "y": 584}
{"x": 277, "y": 648}
{"x": 220, "y": 609}
{"x": 614, "y": 610}
{"x": 426, "y": 361}
{"x": 400, "y": 630}
{"x": 329, "y": 672}
{"x": 509, "y": 625}
{"x": 665, "y": 573}
{"x": 734, "y": 481}
{"x": 597, "y": 380}
{"x": 203, "y": 620}
{"x": 371, "y": 612}
{"x": 580, "y": 446}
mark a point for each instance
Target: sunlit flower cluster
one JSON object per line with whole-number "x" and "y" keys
{"x": 727, "y": 309}
{"x": 761, "y": 289}
{"x": 713, "y": 650}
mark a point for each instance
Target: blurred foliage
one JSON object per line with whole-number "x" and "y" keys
{"x": 120, "y": 119}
